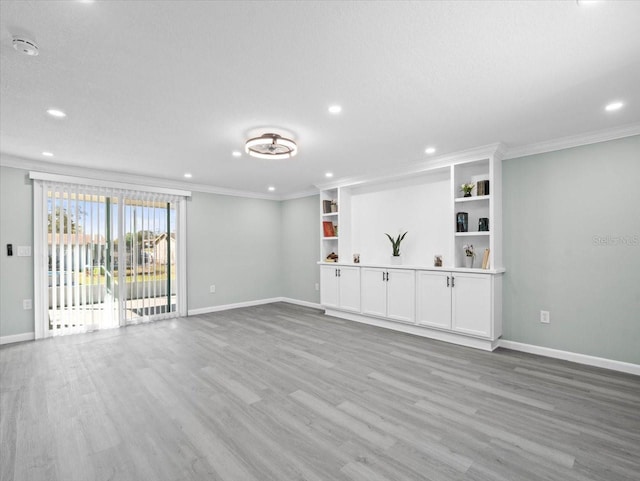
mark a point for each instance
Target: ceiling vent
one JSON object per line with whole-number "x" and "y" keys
{"x": 25, "y": 46}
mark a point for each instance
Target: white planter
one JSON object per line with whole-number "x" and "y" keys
{"x": 468, "y": 261}
{"x": 396, "y": 260}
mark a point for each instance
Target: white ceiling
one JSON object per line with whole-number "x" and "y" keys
{"x": 160, "y": 88}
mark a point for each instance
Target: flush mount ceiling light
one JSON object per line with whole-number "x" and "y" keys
{"x": 271, "y": 146}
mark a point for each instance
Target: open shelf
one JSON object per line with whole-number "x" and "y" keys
{"x": 473, "y": 199}
{"x": 472, "y": 234}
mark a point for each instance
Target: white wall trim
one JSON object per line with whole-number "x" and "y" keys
{"x": 573, "y": 141}
{"x": 21, "y": 163}
{"x": 626, "y": 367}
{"x": 236, "y": 305}
{"x": 422, "y": 331}
{"x": 425, "y": 166}
{"x": 26, "y": 336}
{"x": 313, "y": 305}
{"x": 259, "y": 302}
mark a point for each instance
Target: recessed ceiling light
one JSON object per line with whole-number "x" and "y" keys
{"x": 47, "y": 154}
{"x": 329, "y": 175}
{"x": 271, "y": 188}
{"x": 430, "y": 150}
{"x": 335, "y": 109}
{"x": 187, "y": 175}
{"x": 236, "y": 153}
{"x": 614, "y": 106}
{"x": 25, "y": 46}
{"x": 56, "y": 113}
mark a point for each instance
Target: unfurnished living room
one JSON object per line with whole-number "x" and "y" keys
{"x": 319, "y": 240}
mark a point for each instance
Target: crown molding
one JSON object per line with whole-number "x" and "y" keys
{"x": 7, "y": 160}
{"x": 573, "y": 141}
{"x": 299, "y": 195}
{"x": 440, "y": 162}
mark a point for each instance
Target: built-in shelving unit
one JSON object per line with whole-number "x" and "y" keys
{"x": 424, "y": 202}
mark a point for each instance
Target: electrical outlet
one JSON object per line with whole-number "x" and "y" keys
{"x": 317, "y": 286}
{"x": 212, "y": 288}
{"x": 24, "y": 251}
{"x": 27, "y": 304}
{"x": 544, "y": 317}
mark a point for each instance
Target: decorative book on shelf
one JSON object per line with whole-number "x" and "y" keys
{"x": 326, "y": 206}
{"x": 327, "y": 229}
{"x": 482, "y": 188}
{"x": 485, "y": 259}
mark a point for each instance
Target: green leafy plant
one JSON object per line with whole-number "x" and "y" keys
{"x": 396, "y": 243}
{"x": 467, "y": 188}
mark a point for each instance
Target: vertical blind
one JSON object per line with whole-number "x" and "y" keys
{"x": 112, "y": 256}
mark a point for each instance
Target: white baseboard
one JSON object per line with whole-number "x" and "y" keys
{"x": 453, "y": 338}
{"x": 27, "y": 336}
{"x": 225, "y": 307}
{"x": 626, "y": 367}
{"x": 313, "y": 305}
{"x": 259, "y": 302}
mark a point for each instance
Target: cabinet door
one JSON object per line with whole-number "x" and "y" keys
{"x": 374, "y": 291}
{"x": 329, "y": 286}
{"x": 471, "y": 299}
{"x": 434, "y": 299}
{"x": 349, "y": 288}
{"x": 401, "y": 294}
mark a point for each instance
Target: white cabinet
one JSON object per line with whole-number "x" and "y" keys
{"x": 471, "y": 304}
{"x": 340, "y": 287}
{"x": 433, "y": 292}
{"x": 388, "y": 293}
{"x": 458, "y": 301}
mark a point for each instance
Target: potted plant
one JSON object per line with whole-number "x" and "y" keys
{"x": 469, "y": 255}
{"x": 395, "y": 244}
{"x": 467, "y": 188}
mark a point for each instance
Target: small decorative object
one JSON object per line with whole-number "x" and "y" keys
{"x": 437, "y": 260}
{"x": 335, "y": 230}
{"x": 356, "y": 258}
{"x": 462, "y": 222}
{"x": 483, "y": 224}
{"x": 395, "y": 243}
{"x": 333, "y": 257}
{"x": 327, "y": 228}
{"x": 334, "y": 206}
{"x": 469, "y": 255}
{"x": 485, "y": 259}
{"x": 467, "y": 188}
{"x": 482, "y": 188}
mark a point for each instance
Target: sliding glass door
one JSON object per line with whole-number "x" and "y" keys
{"x": 112, "y": 257}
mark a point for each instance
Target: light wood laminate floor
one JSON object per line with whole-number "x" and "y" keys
{"x": 281, "y": 392}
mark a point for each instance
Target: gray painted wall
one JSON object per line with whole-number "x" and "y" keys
{"x": 234, "y": 243}
{"x": 572, "y": 247}
{"x": 562, "y": 214}
{"x": 300, "y": 248}
{"x": 16, "y": 273}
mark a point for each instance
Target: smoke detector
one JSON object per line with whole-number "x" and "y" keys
{"x": 25, "y": 46}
